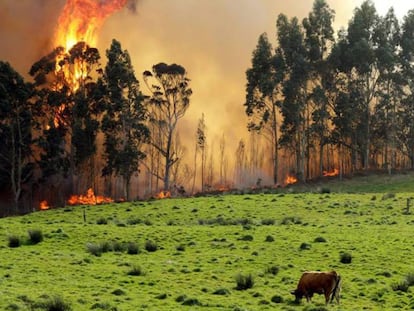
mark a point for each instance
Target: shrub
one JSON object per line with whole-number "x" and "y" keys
{"x": 118, "y": 292}
{"x": 191, "y": 302}
{"x": 55, "y": 304}
{"x": 244, "y": 282}
{"x": 94, "y": 249}
{"x": 269, "y": 238}
{"x": 221, "y": 291}
{"x": 409, "y": 278}
{"x": 161, "y": 296}
{"x": 135, "y": 271}
{"x": 181, "y": 298}
{"x": 35, "y": 236}
{"x": 305, "y": 246}
{"x": 150, "y": 246}
{"x": 134, "y": 221}
{"x": 117, "y": 246}
{"x": 13, "y": 241}
{"x": 102, "y": 221}
{"x": 247, "y": 237}
{"x": 345, "y": 258}
{"x": 268, "y": 222}
{"x": 277, "y": 299}
{"x": 106, "y": 246}
{"x": 132, "y": 248}
{"x": 272, "y": 270}
{"x": 388, "y": 196}
{"x": 402, "y": 286}
{"x": 291, "y": 220}
{"x": 180, "y": 248}
{"x": 320, "y": 239}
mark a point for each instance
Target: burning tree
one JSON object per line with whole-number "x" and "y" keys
{"x": 169, "y": 100}
{"x": 123, "y": 119}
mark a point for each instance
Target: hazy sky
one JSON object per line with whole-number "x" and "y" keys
{"x": 212, "y": 39}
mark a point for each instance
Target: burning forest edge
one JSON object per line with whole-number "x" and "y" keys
{"x": 82, "y": 128}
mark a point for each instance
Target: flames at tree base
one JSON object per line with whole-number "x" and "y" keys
{"x": 89, "y": 199}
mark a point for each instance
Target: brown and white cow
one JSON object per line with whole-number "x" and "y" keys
{"x": 317, "y": 282}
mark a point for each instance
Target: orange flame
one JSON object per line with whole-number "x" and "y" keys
{"x": 89, "y": 199}
{"x": 335, "y": 172}
{"x": 164, "y": 194}
{"x": 43, "y": 205}
{"x": 290, "y": 180}
{"x": 81, "y": 20}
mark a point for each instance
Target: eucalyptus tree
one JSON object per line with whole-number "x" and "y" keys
{"x": 365, "y": 71}
{"x": 124, "y": 117}
{"x": 406, "y": 113}
{"x": 319, "y": 39}
{"x": 390, "y": 88}
{"x": 168, "y": 101}
{"x": 16, "y": 122}
{"x": 262, "y": 89}
{"x": 292, "y": 54}
{"x": 67, "y": 91}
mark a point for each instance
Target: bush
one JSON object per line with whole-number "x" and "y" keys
{"x": 132, "y": 248}
{"x": 180, "y": 248}
{"x": 277, "y": 299}
{"x": 221, "y": 291}
{"x": 191, "y": 302}
{"x": 268, "y": 222}
{"x": 272, "y": 270}
{"x": 135, "y": 271}
{"x": 402, "y": 286}
{"x": 102, "y": 221}
{"x": 247, "y": 237}
{"x": 320, "y": 239}
{"x": 291, "y": 220}
{"x": 345, "y": 258}
{"x": 150, "y": 246}
{"x": 117, "y": 246}
{"x": 55, "y": 304}
{"x": 13, "y": 241}
{"x": 94, "y": 249}
{"x": 35, "y": 236}
{"x": 305, "y": 246}
{"x": 244, "y": 281}
{"x": 269, "y": 238}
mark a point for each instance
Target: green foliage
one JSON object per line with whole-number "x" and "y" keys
{"x": 151, "y": 246}
{"x": 55, "y": 304}
{"x": 35, "y": 236}
{"x": 135, "y": 271}
{"x": 345, "y": 258}
{"x": 132, "y": 248}
{"x": 13, "y": 241}
{"x": 244, "y": 282}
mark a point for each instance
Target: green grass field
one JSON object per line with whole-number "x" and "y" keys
{"x": 186, "y": 254}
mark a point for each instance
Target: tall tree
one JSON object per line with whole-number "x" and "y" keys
{"x": 263, "y": 85}
{"x": 362, "y": 47}
{"x": 16, "y": 121}
{"x": 169, "y": 100}
{"x": 406, "y": 113}
{"x": 319, "y": 39}
{"x": 292, "y": 53}
{"x": 124, "y": 116}
{"x": 66, "y": 88}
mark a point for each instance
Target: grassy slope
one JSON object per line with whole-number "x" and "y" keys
{"x": 375, "y": 232}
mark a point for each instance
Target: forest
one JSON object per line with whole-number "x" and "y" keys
{"x": 317, "y": 103}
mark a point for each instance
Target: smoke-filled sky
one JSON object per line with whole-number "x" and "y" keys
{"x": 212, "y": 39}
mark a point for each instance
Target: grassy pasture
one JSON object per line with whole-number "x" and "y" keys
{"x": 201, "y": 245}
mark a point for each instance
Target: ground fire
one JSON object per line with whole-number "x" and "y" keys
{"x": 43, "y": 205}
{"x": 163, "y": 195}
{"x": 290, "y": 180}
{"x": 335, "y": 172}
{"x": 89, "y": 199}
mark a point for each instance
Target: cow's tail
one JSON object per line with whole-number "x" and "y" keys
{"x": 336, "y": 290}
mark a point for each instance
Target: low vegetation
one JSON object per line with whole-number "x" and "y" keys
{"x": 219, "y": 252}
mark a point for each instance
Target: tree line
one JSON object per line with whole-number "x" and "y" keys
{"x": 76, "y": 114}
{"x": 344, "y": 101}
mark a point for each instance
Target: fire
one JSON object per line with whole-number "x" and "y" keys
{"x": 89, "y": 199}
{"x": 81, "y": 20}
{"x": 290, "y": 180}
{"x": 43, "y": 205}
{"x": 164, "y": 194}
{"x": 335, "y": 172}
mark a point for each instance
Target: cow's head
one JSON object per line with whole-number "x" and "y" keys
{"x": 298, "y": 295}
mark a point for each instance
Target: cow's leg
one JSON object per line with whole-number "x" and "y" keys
{"x": 327, "y": 296}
